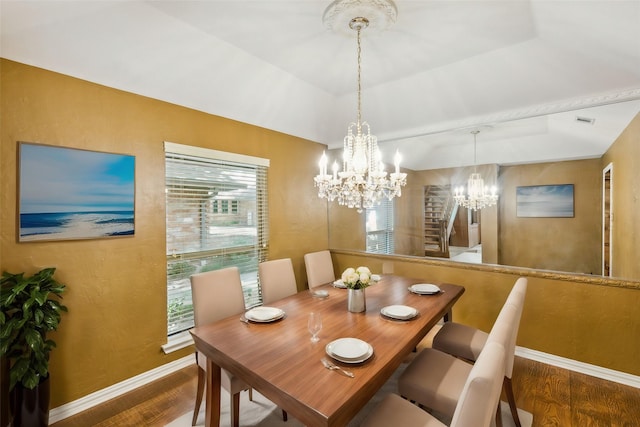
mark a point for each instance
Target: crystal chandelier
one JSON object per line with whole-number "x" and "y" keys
{"x": 363, "y": 182}
{"x": 478, "y": 195}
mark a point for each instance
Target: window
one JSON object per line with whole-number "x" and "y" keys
{"x": 379, "y": 228}
{"x": 216, "y": 217}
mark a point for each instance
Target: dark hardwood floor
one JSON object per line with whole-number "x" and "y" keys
{"x": 555, "y": 397}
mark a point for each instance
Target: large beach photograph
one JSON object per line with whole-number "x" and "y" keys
{"x": 69, "y": 193}
{"x": 545, "y": 201}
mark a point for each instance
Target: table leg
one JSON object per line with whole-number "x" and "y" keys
{"x": 212, "y": 418}
{"x": 448, "y": 316}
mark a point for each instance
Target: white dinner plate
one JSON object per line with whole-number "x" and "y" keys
{"x": 320, "y": 293}
{"x": 339, "y": 284}
{"x": 401, "y": 312}
{"x": 376, "y": 277}
{"x": 424, "y": 289}
{"x": 349, "y": 350}
{"x": 264, "y": 314}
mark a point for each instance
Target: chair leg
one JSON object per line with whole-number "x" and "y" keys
{"x": 250, "y": 394}
{"x": 499, "y": 415}
{"x": 508, "y": 389}
{"x": 285, "y": 417}
{"x": 235, "y": 410}
{"x": 199, "y": 394}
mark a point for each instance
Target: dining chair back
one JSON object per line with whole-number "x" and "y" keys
{"x": 277, "y": 279}
{"x": 481, "y": 392}
{"x": 435, "y": 379}
{"x": 475, "y": 406}
{"x": 467, "y": 342}
{"x": 216, "y": 295}
{"x": 319, "y": 266}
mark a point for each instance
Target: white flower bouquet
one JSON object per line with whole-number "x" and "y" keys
{"x": 358, "y": 278}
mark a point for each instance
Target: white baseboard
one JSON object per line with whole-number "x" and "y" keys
{"x": 101, "y": 396}
{"x": 583, "y": 368}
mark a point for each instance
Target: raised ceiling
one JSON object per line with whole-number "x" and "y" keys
{"x": 443, "y": 65}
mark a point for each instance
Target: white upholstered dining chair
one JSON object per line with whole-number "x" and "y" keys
{"x": 467, "y": 342}
{"x": 319, "y": 266}
{"x": 217, "y": 294}
{"x": 435, "y": 379}
{"x": 474, "y": 408}
{"x": 277, "y": 279}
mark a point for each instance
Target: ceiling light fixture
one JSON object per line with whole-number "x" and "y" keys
{"x": 478, "y": 195}
{"x": 363, "y": 182}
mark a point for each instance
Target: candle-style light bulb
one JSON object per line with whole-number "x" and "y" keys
{"x": 335, "y": 169}
{"x": 397, "y": 159}
{"x": 323, "y": 164}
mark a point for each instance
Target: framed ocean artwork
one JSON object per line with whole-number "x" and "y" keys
{"x": 70, "y": 194}
{"x": 545, "y": 201}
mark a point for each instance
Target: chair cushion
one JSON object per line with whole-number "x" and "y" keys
{"x": 460, "y": 340}
{"x": 435, "y": 380}
{"x": 396, "y": 411}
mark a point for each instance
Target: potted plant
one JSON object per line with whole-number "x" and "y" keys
{"x": 29, "y": 311}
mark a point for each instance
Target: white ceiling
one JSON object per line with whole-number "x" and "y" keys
{"x": 444, "y": 67}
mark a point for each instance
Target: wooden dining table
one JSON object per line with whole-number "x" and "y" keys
{"x": 279, "y": 360}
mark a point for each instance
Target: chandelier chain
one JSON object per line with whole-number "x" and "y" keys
{"x": 475, "y": 149}
{"x": 359, "y": 80}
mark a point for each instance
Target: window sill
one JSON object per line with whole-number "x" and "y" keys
{"x": 177, "y": 342}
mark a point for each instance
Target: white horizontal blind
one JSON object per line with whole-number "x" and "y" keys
{"x": 380, "y": 228}
{"x": 217, "y": 216}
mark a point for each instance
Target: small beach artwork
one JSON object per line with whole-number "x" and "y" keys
{"x": 545, "y": 201}
{"x": 71, "y": 194}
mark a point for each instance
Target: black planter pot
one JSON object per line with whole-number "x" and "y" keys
{"x": 30, "y": 407}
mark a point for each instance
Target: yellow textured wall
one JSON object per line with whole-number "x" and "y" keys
{"x": 561, "y": 244}
{"x": 116, "y": 288}
{"x": 592, "y": 323}
{"x": 624, "y": 154}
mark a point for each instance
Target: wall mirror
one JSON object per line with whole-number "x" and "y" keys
{"x": 565, "y": 147}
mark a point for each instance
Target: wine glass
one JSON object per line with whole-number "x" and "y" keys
{"x": 314, "y": 325}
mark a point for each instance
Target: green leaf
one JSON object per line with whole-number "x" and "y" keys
{"x": 41, "y": 297}
{"x": 27, "y": 305}
{"x": 18, "y": 371}
{"x": 39, "y": 316}
{"x": 9, "y": 300}
{"x": 52, "y": 321}
{"x": 57, "y": 290}
{"x": 8, "y": 328}
{"x": 33, "y": 338}
{"x": 31, "y": 379}
{"x": 20, "y": 288}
